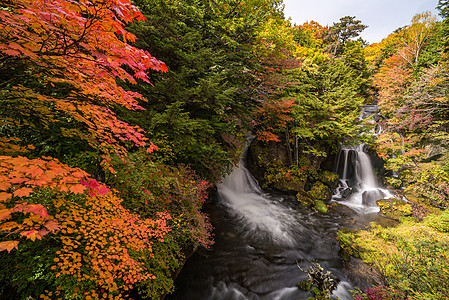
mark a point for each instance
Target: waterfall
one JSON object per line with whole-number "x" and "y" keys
{"x": 358, "y": 187}
{"x": 257, "y": 214}
{"x": 259, "y": 240}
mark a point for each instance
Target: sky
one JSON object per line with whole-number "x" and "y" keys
{"x": 382, "y": 16}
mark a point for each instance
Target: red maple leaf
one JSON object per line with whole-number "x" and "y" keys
{"x": 31, "y": 234}
{"x": 5, "y": 214}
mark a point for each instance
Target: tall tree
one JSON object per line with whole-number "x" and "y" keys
{"x": 342, "y": 31}
{"x": 414, "y": 36}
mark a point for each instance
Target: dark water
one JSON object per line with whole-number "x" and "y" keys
{"x": 259, "y": 239}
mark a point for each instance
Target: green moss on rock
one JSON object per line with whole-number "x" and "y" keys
{"x": 320, "y": 206}
{"x": 329, "y": 178}
{"x": 319, "y": 191}
{"x": 346, "y": 239}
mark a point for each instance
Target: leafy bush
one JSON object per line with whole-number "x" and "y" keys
{"x": 432, "y": 184}
{"x": 379, "y": 293}
{"x": 439, "y": 222}
{"x": 412, "y": 257}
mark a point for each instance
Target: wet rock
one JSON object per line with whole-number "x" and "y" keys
{"x": 362, "y": 274}
{"x": 346, "y": 192}
{"x": 370, "y": 197}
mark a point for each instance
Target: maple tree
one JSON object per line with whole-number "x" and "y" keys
{"x": 62, "y": 59}
{"x": 19, "y": 176}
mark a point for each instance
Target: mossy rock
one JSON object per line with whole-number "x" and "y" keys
{"x": 288, "y": 184}
{"x": 394, "y": 208}
{"x": 320, "y": 206}
{"x": 305, "y": 200}
{"x": 345, "y": 238}
{"x": 319, "y": 191}
{"x": 329, "y": 178}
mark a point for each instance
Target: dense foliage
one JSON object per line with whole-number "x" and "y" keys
{"x": 117, "y": 117}
{"x": 410, "y": 76}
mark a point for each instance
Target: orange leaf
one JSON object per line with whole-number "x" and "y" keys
{"x": 5, "y": 214}
{"x": 42, "y": 233}
{"x": 9, "y": 245}
{"x": 4, "y": 186}
{"x": 52, "y": 226}
{"x": 77, "y": 188}
{"x": 5, "y": 196}
{"x": 8, "y": 226}
{"x": 79, "y": 174}
{"x": 32, "y": 235}
{"x": 23, "y": 192}
{"x": 36, "y": 209}
{"x": 18, "y": 180}
{"x": 34, "y": 171}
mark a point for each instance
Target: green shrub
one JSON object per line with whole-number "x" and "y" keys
{"x": 439, "y": 222}
{"x": 413, "y": 257}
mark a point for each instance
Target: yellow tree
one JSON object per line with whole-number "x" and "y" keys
{"x": 413, "y": 37}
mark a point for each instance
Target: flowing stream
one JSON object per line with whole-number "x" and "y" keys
{"x": 259, "y": 239}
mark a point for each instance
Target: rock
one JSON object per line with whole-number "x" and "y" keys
{"x": 305, "y": 200}
{"x": 362, "y": 274}
{"x": 346, "y": 192}
{"x": 329, "y": 178}
{"x": 370, "y": 197}
{"x": 319, "y": 191}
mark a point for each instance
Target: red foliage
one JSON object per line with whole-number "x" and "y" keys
{"x": 19, "y": 176}
{"x": 273, "y": 117}
{"x": 380, "y": 293}
{"x": 81, "y": 44}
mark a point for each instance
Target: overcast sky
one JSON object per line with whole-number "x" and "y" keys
{"x": 382, "y": 16}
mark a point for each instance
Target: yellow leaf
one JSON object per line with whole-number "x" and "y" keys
{"x": 7, "y": 226}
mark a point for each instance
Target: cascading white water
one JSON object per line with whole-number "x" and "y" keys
{"x": 360, "y": 190}
{"x": 259, "y": 240}
{"x": 258, "y": 214}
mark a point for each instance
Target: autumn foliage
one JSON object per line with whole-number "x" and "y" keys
{"x": 75, "y": 50}
{"x": 65, "y": 65}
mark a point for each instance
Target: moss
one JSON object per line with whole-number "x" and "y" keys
{"x": 319, "y": 191}
{"x": 394, "y": 209}
{"x": 346, "y": 237}
{"x": 329, "y": 178}
{"x": 320, "y": 206}
{"x": 305, "y": 285}
{"x": 438, "y": 222}
{"x": 394, "y": 182}
{"x": 315, "y": 197}
{"x": 304, "y": 199}
{"x": 413, "y": 257}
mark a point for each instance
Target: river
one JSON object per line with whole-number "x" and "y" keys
{"x": 259, "y": 240}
